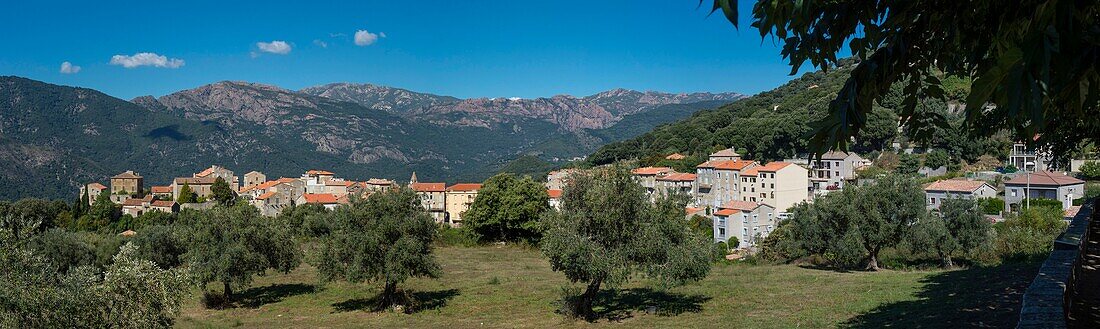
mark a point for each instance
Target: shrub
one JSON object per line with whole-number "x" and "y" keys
{"x": 1044, "y": 203}
{"x": 450, "y": 236}
{"x": 1030, "y": 233}
{"x": 992, "y": 206}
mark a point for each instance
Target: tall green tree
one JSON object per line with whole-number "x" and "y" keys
{"x": 958, "y": 228}
{"x": 186, "y": 195}
{"x": 887, "y": 210}
{"x": 507, "y": 208}
{"x": 608, "y": 229}
{"x": 385, "y": 238}
{"x": 1034, "y": 61}
{"x": 232, "y": 244}
{"x": 222, "y": 193}
{"x": 103, "y": 212}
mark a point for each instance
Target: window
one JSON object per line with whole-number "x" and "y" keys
{"x": 1013, "y": 192}
{"x": 721, "y": 232}
{"x": 932, "y": 201}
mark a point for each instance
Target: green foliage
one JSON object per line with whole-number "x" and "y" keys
{"x": 882, "y": 127}
{"x": 608, "y": 228}
{"x": 1042, "y": 203}
{"x": 1091, "y": 170}
{"x": 936, "y": 159}
{"x": 507, "y": 208}
{"x": 387, "y": 237}
{"x": 908, "y": 164}
{"x": 129, "y": 293}
{"x": 703, "y": 227}
{"x": 162, "y": 245}
{"x": 222, "y": 193}
{"x": 186, "y": 194}
{"x": 232, "y": 244}
{"x": 959, "y": 228}
{"x": 1031, "y": 233}
{"x": 918, "y": 44}
{"x": 451, "y": 236}
{"x": 991, "y": 206}
{"x": 64, "y": 250}
{"x": 308, "y": 220}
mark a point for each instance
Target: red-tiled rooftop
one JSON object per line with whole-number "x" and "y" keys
{"x": 132, "y": 202}
{"x": 740, "y": 205}
{"x": 161, "y": 189}
{"x": 164, "y": 203}
{"x": 955, "y": 185}
{"x": 1045, "y": 178}
{"x": 678, "y": 177}
{"x": 464, "y": 187}
{"x": 267, "y": 195}
{"x": 650, "y": 170}
{"x": 322, "y": 198}
{"x": 554, "y": 194}
{"x": 726, "y": 212}
{"x": 733, "y": 164}
{"x": 774, "y": 166}
{"x": 315, "y": 172}
{"x": 205, "y": 172}
{"x": 97, "y": 186}
{"x": 751, "y": 171}
{"x": 428, "y": 187}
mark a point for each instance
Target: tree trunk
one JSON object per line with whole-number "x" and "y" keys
{"x": 872, "y": 263}
{"x": 585, "y": 306}
{"x": 228, "y": 291}
{"x": 388, "y": 295}
{"x": 947, "y": 263}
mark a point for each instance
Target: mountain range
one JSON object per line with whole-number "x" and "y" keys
{"x": 54, "y": 138}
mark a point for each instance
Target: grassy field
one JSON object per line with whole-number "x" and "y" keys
{"x": 510, "y": 287}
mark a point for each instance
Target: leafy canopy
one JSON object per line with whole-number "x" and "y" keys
{"x": 1034, "y": 61}
{"x": 507, "y": 208}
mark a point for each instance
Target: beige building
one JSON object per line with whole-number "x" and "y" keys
{"x": 725, "y": 155}
{"x": 253, "y": 178}
{"x": 834, "y": 170}
{"x": 128, "y": 182}
{"x": 433, "y": 196}
{"x": 136, "y": 207}
{"x": 747, "y": 221}
{"x": 272, "y": 197}
{"x": 778, "y": 184}
{"x": 92, "y": 190}
{"x": 647, "y": 177}
{"x": 378, "y": 185}
{"x": 459, "y": 197}
{"x": 199, "y": 185}
{"x": 217, "y": 171}
{"x": 673, "y": 183}
{"x": 718, "y": 182}
{"x": 557, "y": 179}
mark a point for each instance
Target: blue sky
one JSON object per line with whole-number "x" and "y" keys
{"x": 459, "y": 48}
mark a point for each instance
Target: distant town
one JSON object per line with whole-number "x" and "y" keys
{"x": 744, "y": 199}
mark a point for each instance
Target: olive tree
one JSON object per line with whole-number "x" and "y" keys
{"x": 507, "y": 208}
{"x": 385, "y": 238}
{"x": 608, "y": 229}
{"x": 232, "y": 244}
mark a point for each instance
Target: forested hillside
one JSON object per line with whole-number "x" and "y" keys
{"x": 776, "y": 124}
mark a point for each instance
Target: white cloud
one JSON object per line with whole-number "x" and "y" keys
{"x": 320, "y": 43}
{"x": 364, "y": 38}
{"x": 146, "y": 59}
{"x": 69, "y": 68}
{"x": 274, "y": 47}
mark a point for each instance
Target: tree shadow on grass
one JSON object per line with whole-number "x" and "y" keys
{"x": 966, "y": 298}
{"x": 260, "y": 296}
{"x": 411, "y": 302}
{"x": 617, "y": 305}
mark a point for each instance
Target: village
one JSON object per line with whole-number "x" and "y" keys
{"x": 743, "y": 199}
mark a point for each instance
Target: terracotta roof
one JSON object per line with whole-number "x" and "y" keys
{"x": 428, "y": 187}
{"x": 675, "y": 156}
{"x": 774, "y": 166}
{"x": 379, "y": 181}
{"x": 725, "y": 153}
{"x": 286, "y": 180}
{"x": 195, "y": 180}
{"x": 726, "y": 212}
{"x": 318, "y": 172}
{"x": 733, "y": 164}
{"x": 127, "y": 174}
{"x": 322, "y": 198}
{"x": 97, "y": 186}
{"x": 339, "y": 183}
{"x": 1045, "y": 178}
{"x": 161, "y": 189}
{"x": 650, "y": 170}
{"x": 554, "y": 194}
{"x": 678, "y": 177}
{"x": 956, "y": 185}
{"x": 740, "y": 205}
{"x": 127, "y": 233}
{"x": 164, "y": 203}
{"x": 751, "y": 171}
{"x": 689, "y": 210}
{"x": 1072, "y": 211}
{"x": 205, "y": 172}
{"x": 133, "y": 202}
{"x": 464, "y": 187}
{"x": 267, "y": 195}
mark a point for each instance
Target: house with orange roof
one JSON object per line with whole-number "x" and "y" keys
{"x": 725, "y": 155}
{"x": 315, "y": 180}
{"x": 833, "y": 170}
{"x": 329, "y": 201}
{"x": 136, "y": 207}
{"x": 557, "y": 179}
{"x": 459, "y": 197}
{"x": 938, "y": 191}
{"x": 162, "y": 192}
{"x": 199, "y": 185}
{"x": 216, "y": 171}
{"x": 433, "y": 196}
{"x": 379, "y": 185}
{"x": 675, "y": 182}
{"x": 92, "y": 190}
{"x": 719, "y": 181}
{"x": 126, "y": 184}
{"x": 675, "y": 157}
{"x": 271, "y": 197}
{"x": 778, "y": 184}
{"x": 748, "y": 222}
{"x": 555, "y": 198}
{"x": 1042, "y": 184}
{"x": 647, "y": 176}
